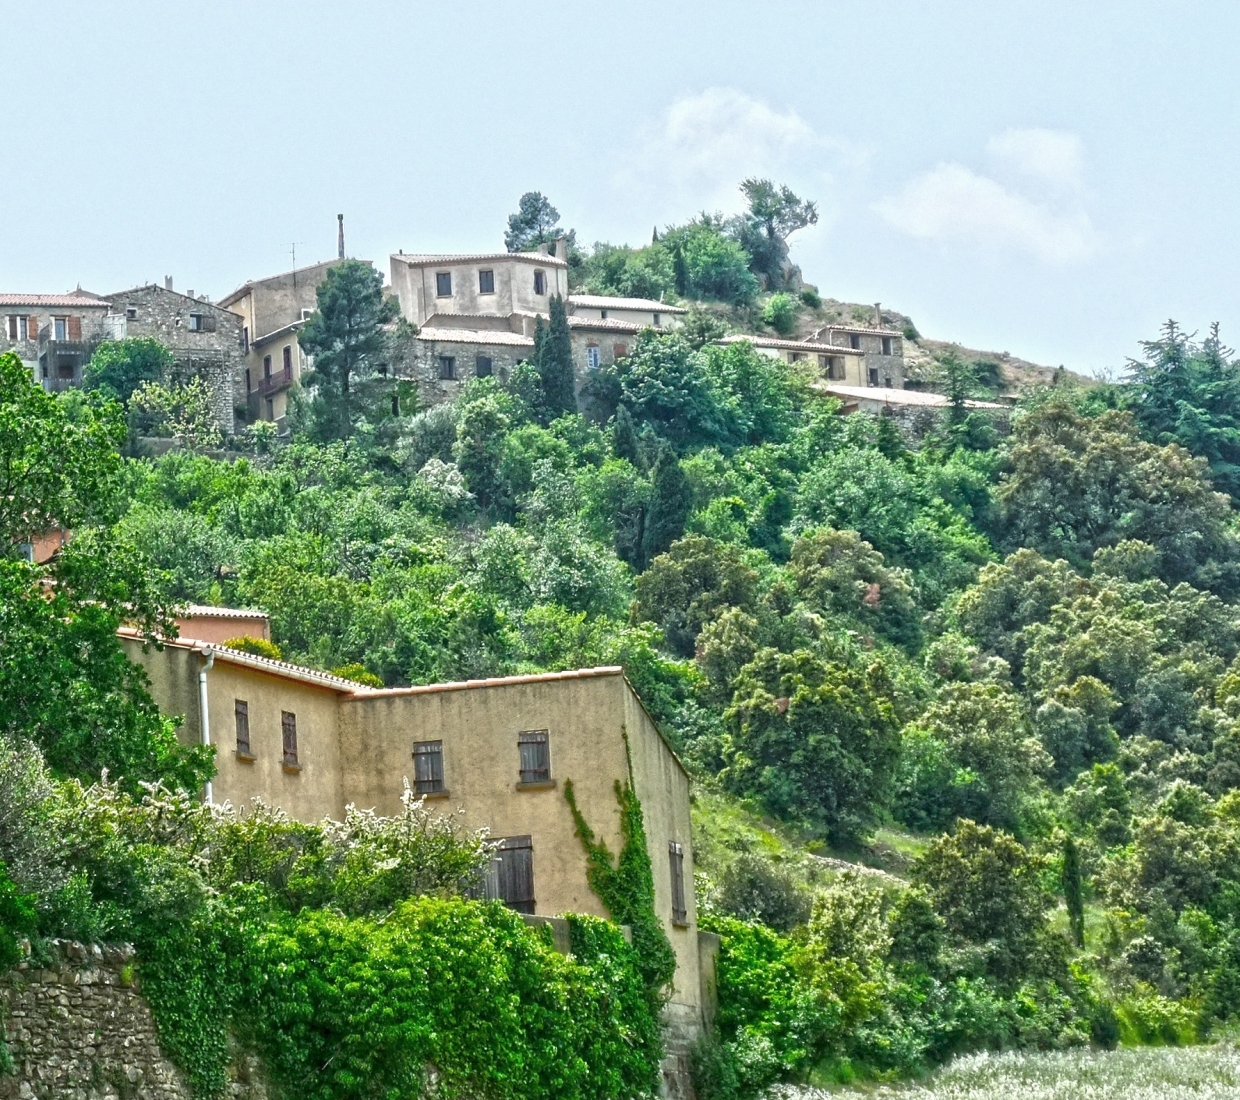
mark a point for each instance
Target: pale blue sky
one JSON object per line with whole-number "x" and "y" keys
{"x": 1052, "y": 179}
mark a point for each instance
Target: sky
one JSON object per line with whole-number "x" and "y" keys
{"x": 1050, "y": 179}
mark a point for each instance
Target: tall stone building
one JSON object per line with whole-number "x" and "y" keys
{"x": 204, "y": 338}
{"x": 55, "y": 334}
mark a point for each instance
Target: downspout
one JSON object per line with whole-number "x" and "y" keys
{"x": 204, "y": 712}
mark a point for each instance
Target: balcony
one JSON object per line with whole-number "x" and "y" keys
{"x": 273, "y": 383}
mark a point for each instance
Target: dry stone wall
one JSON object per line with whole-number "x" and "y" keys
{"x": 76, "y": 1027}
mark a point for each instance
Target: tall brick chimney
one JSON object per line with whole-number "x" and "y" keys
{"x": 340, "y": 237}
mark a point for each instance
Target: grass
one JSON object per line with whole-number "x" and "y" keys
{"x": 1131, "y": 1073}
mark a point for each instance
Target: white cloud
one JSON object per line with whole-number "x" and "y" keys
{"x": 1053, "y": 156}
{"x": 705, "y": 144}
{"x": 951, "y": 203}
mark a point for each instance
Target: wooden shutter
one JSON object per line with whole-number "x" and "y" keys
{"x": 242, "y": 711}
{"x": 208, "y": 322}
{"x": 32, "y": 327}
{"x": 676, "y": 860}
{"x": 75, "y": 328}
{"x": 516, "y": 873}
{"x": 288, "y": 727}
{"x": 535, "y": 753}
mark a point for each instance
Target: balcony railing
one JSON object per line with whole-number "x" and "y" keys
{"x": 280, "y": 380}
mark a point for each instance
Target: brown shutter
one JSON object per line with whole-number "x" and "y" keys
{"x": 208, "y": 322}
{"x": 516, "y": 873}
{"x": 75, "y": 328}
{"x": 32, "y": 328}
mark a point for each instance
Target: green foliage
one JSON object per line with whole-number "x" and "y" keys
{"x": 774, "y": 214}
{"x": 346, "y": 338}
{"x": 553, "y": 360}
{"x": 121, "y": 366}
{"x": 1073, "y": 890}
{"x": 535, "y": 222}
{"x": 670, "y": 502}
{"x": 754, "y": 889}
{"x": 17, "y": 920}
{"x": 780, "y": 312}
{"x": 260, "y": 647}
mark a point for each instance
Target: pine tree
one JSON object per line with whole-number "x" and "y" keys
{"x": 1072, "y": 891}
{"x": 554, "y": 359}
{"x": 671, "y": 500}
{"x": 624, "y": 441}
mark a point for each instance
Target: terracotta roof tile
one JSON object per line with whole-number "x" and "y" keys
{"x": 417, "y": 260}
{"x": 53, "y": 301}
{"x": 603, "y": 301}
{"x": 792, "y": 345}
{"x": 475, "y": 336}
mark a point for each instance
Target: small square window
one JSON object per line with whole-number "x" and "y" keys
{"x": 540, "y": 283}
{"x": 288, "y": 730}
{"x": 603, "y": 314}
{"x": 486, "y": 282}
{"x": 482, "y": 366}
{"x": 592, "y": 359}
{"x": 658, "y": 320}
{"x": 195, "y": 322}
{"x": 535, "y": 752}
{"x": 428, "y": 767}
{"x": 443, "y": 284}
{"x": 131, "y": 313}
{"x": 447, "y": 366}
{"x": 241, "y": 710}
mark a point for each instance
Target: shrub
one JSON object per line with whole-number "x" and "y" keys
{"x": 260, "y": 647}
{"x": 753, "y": 888}
{"x": 780, "y": 312}
{"x": 810, "y": 297}
{"x": 359, "y": 674}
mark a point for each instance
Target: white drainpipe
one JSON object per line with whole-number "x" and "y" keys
{"x": 203, "y": 709}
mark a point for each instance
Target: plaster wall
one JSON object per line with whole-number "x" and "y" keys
{"x": 415, "y": 285}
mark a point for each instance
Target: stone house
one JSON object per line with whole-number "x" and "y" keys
{"x": 204, "y": 338}
{"x": 55, "y": 334}
{"x": 845, "y": 363}
{"x": 499, "y": 751}
{"x": 882, "y": 348}
{"x": 273, "y": 311}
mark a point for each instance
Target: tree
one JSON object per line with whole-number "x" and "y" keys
{"x": 65, "y": 681}
{"x": 123, "y": 365}
{"x": 346, "y": 338}
{"x": 780, "y": 312}
{"x": 774, "y": 214}
{"x": 554, "y": 362}
{"x": 988, "y": 889}
{"x": 535, "y": 222}
{"x": 1073, "y": 891}
{"x": 671, "y": 500}
{"x": 707, "y": 263}
{"x": 624, "y": 441}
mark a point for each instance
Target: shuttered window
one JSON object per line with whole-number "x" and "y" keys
{"x": 195, "y": 322}
{"x": 428, "y": 767}
{"x": 242, "y": 711}
{"x": 288, "y": 726}
{"x": 486, "y": 282}
{"x": 75, "y": 328}
{"x": 443, "y": 284}
{"x": 535, "y": 751}
{"x": 676, "y": 859}
{"x": 288, "y": 358}
{"x": 540, "y": 283}
{"x": 510, "y": 875}
{"x": 482, "y": 367}
{"x": 447, "y": 366}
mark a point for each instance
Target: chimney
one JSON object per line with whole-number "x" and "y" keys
{"x": 340, "y": 236}
{"x": 542, "y": 249}
{"x": 561, "y": 248}
{"x": 878, "y": 314}
{"x": 189, "y": 293}
{"x": 167, "y": 282}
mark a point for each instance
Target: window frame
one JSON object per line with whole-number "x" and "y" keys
{"x": 854, "y": 341}
{"x": 540, "y": 283}
{"x": 440, "y": 276}
{"x": 131, "y": 313}
{"x": 593, "y": 357}
{"x": 486, "y": 276}
{"x": 479, "y": 372}
{"x": 447, "y": 368}
{"x": 286, "y": 358}
{"x": 60, "y": 328}
{"x": 872, "y": 376}
{"x": 534, "y": 760}
{"x": 433, "y": 784}
{"x": 888, "y": 345}
{"x": 658, "y": 320}
{"x": 195, "y": 323}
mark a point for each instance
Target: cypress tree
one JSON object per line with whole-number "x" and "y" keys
{"x": 554, "y": 359}
{"x": 1073, "y": 893}
{"x": 624, "y": 442}
{"x": 670, "y": 501}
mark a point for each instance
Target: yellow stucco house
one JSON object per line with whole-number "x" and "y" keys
{"x": 499, "y": 751}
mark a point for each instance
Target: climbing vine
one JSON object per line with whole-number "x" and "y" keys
{"x": 625, "y": 885}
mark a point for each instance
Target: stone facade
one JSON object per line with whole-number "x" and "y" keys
{"x": 77, "y": 1026}
{"x": 54, "y": 334}
{"x": 883, "y": 350}
{"x": 204, "y": 338}
{"x": 441, "y": 361}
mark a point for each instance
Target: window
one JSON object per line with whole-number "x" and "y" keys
{"x": 288, "y": 729}
{"x": 443, "y": 284}
{"x": 195, "y": 322}
{"x": 619, "y": 351}
{"x": 61, "y": 328}
{"x": 592, "y": 357}
{"x": 242, "y": 711}
{"x": 540, "y": 283}
{"x": 887, "y": 381}
{"x": 835, "y": 368}
{"x": 603, "y": 314}
{"x": 535, "y": 752}
{"x": 271, "y": 408}
{"x": 288, "y": 359}
{"x": 510, "y": 876}
{"x": 482, "y": 366}
{"x": 428, "y": 767}
{"x": 854, "y": 341}
{"x": 306, "y": 314}
{"x": 796, "y": 357}
{"x": 266, "y": 366}
{"x": 447, "y": 366}
{"x": 676, "y": 859}
{"x": 486, "y": 282}
{"x": 887, "y": 345}
{"x": 21, "y": 328}
{"x": 873, "y": 376}
{"x": 658, "y": 320}
{"x": 245, "y": 338}
{"x": 248, "y": 386}
{"x": 131, "y": 313}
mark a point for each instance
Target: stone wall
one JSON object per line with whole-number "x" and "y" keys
{"x": 76, "y": 1026}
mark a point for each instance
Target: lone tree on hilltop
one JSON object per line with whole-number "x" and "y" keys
{"x": 774, "y": 214}
{"x": 345, "y": 335}
{"x": 535, "y": 222}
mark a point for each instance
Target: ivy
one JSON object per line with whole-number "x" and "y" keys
{"x": 625, "y": 885}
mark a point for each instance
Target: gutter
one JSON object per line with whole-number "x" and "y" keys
{"x": 204, "y": 712}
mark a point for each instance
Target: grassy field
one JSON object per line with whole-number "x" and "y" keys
{"x": 1139, "y": 1073}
